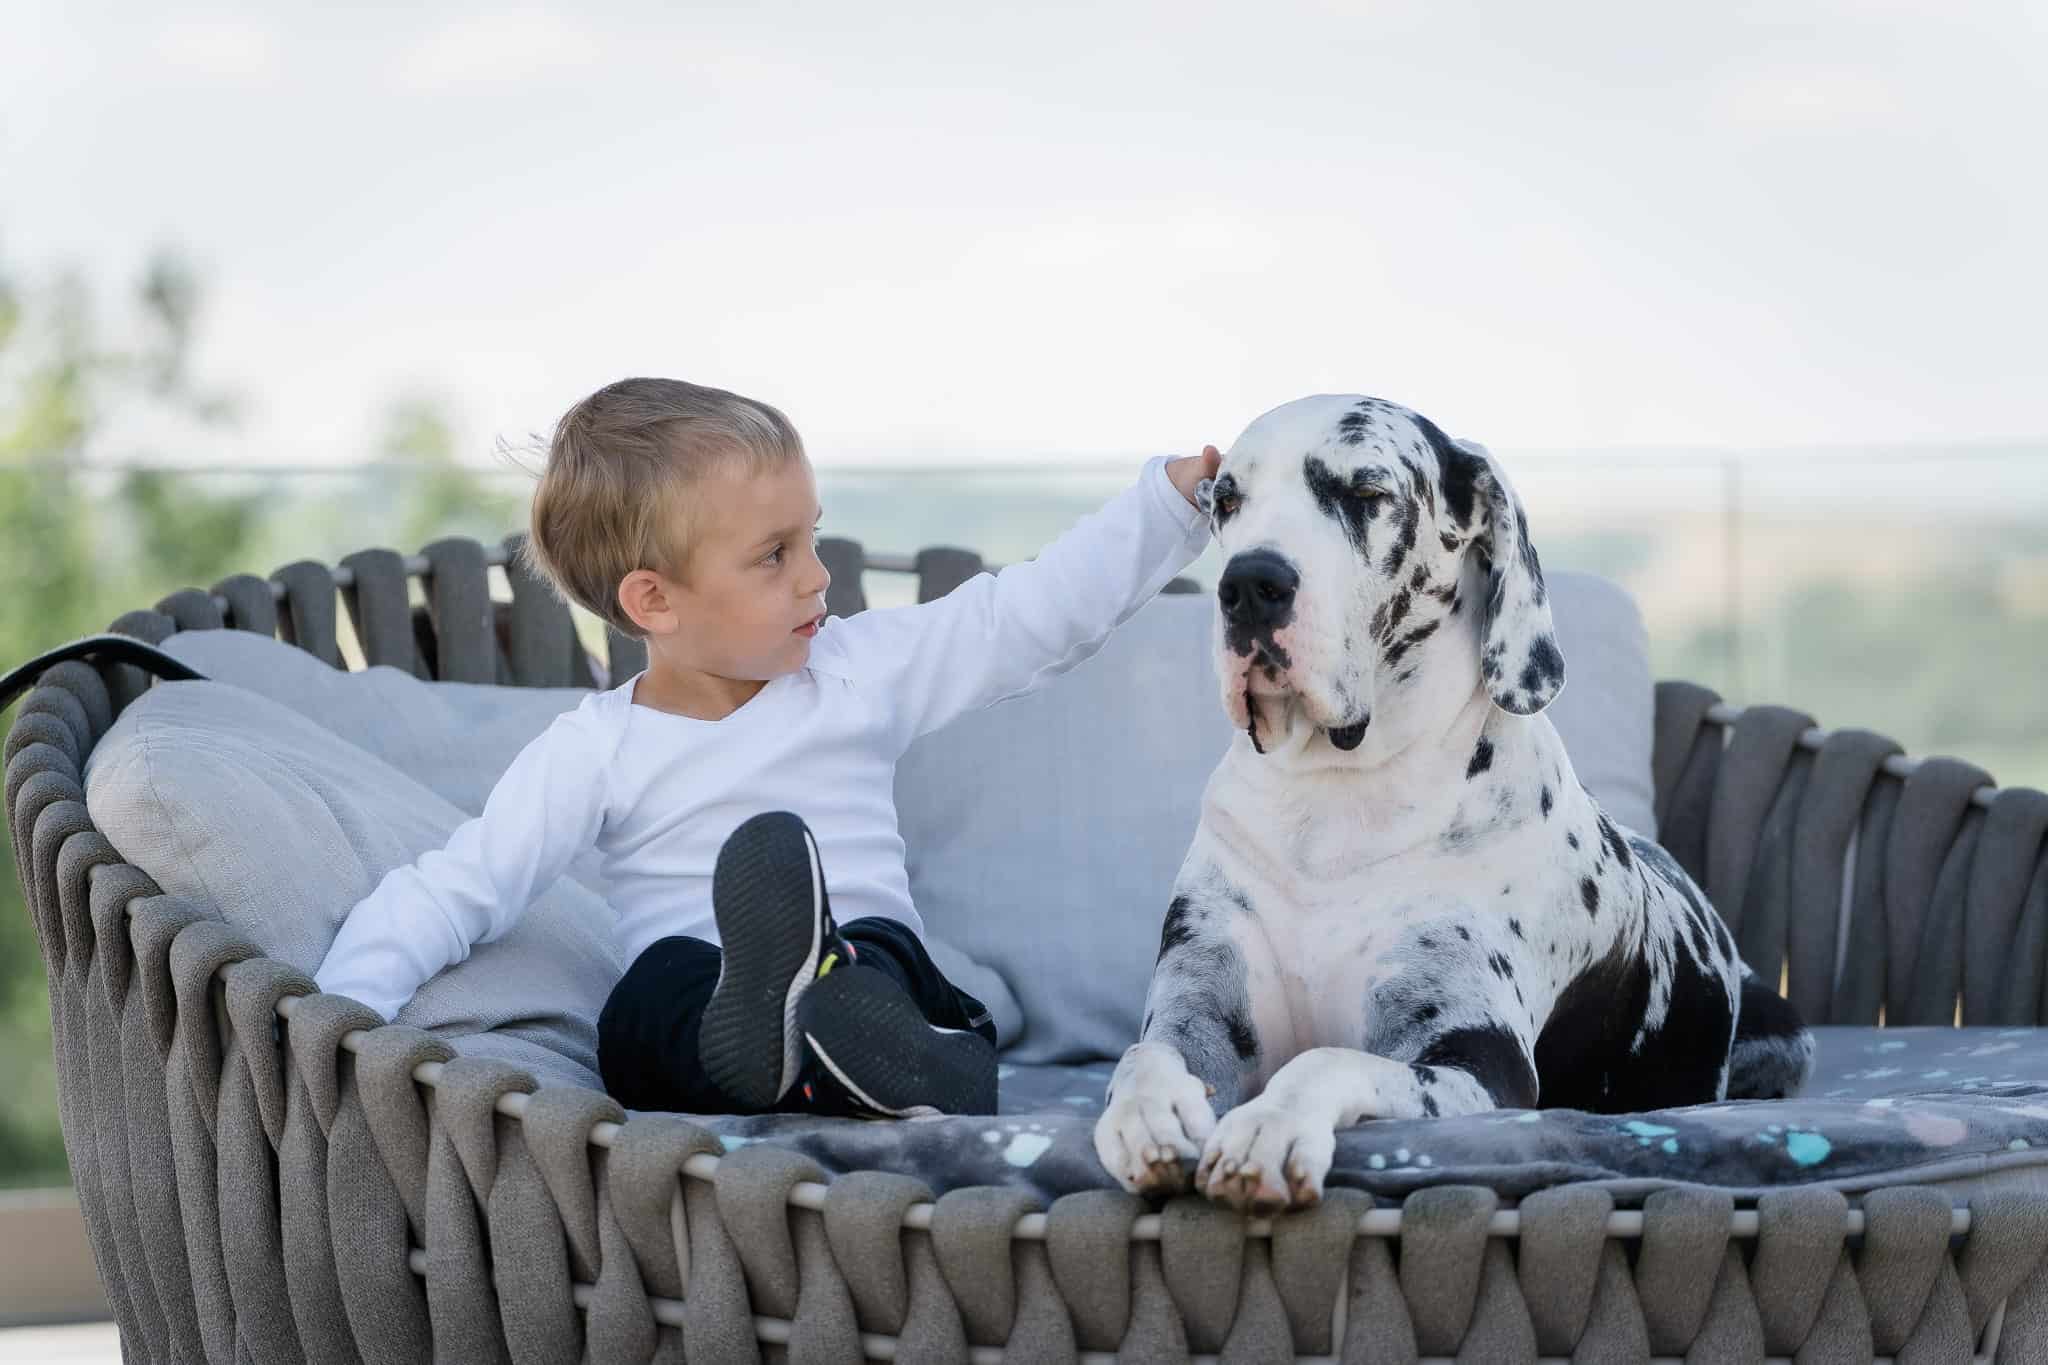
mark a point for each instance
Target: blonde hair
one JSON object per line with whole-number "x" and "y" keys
{"x": 616, "y": 494}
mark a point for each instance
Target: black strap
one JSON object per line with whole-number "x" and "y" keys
{"x": 124, "y": 649}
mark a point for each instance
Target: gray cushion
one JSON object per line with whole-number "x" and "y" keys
{"x": 1044, "y": 833}
{"x": 281, "y": 826}
{"x": 456, "y": 739}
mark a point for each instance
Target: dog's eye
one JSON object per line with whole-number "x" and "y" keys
{"x": 1219, "y": 499}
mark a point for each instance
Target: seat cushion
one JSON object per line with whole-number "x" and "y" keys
{"x": 1044, "y": 833}
{"x": 1964, "y": 1109}
{"x": 280, "y": 825}
{"x": 456, "y": 739}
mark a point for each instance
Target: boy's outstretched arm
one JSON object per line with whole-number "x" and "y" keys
{"x": 1001, "y": 635}
{"x": 547, "y": 807}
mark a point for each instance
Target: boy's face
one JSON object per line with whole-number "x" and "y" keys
{"x": 753, "y": 594}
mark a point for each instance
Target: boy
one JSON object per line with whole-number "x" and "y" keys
{"x": 686, "y": 517}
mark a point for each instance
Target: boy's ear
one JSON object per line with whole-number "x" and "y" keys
{"x": 644, "y": 598}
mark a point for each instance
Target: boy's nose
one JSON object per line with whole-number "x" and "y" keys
{"x": 822, "y": 575}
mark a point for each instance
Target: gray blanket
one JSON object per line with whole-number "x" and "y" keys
{"x": 1885, "y": 1105}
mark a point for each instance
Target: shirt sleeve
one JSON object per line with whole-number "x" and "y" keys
{"x": 1001, "y": 635}
{"x": 548, "y": 807}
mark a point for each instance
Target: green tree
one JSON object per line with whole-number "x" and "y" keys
{"x": 78, "y": 548}
{"x": 60, "y": 381}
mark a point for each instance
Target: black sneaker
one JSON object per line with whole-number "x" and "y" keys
{"x": 872, "y": 1053}
{"x": 777, "y": 938}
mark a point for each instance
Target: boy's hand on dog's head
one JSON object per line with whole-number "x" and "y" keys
{"x": 1190, "y": 470}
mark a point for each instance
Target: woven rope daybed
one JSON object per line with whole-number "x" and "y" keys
{"x": 328, "y": 1189}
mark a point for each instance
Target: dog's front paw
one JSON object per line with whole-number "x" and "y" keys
{"x": 1265, "y": 1157}
{"x": 1150, "y": 1135}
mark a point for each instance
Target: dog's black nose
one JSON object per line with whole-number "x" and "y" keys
{"x": 1257, "y": 588}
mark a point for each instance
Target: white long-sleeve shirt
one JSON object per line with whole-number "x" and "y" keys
{"x": 657, "y": 793}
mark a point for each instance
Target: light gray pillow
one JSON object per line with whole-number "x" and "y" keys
{"x": 240, "y": 803}
{"x": 1044, "y": 833}
{"x": 1607, "y": 712}
{"x": 456, "y": 739}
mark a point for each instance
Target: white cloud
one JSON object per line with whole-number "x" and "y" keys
{"x": 497, "y": 52}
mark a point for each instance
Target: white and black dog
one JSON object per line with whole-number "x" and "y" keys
{"x": 1400, "y": 901}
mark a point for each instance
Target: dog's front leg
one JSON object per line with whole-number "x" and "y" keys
{"x": 1273, "y": 1152}
{"x": 1197, "y": 1045}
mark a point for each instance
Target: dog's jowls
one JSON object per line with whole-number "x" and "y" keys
{"x": 1400, "y": 902}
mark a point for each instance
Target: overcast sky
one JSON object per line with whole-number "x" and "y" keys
{"x": 979, "y": 233}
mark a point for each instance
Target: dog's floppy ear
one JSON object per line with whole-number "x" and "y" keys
{"x": 1518, "y": 653}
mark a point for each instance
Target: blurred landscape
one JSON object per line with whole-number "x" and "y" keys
{"x": 1903, "y": 589}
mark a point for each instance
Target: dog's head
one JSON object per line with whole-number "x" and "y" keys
{"x": 1372, "y": 563}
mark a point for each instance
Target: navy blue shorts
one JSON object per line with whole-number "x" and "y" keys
{"x": 647, "y": 1032}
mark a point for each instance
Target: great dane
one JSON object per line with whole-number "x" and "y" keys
{"x": 1400, "y": 901}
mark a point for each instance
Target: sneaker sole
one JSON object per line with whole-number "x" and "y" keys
{"x": 865, "y": 1031}
{"x": 767, "y": 894}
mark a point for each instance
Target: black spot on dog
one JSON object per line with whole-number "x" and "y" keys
{"x": 1572, "y": 839}
{"x": 1701, "y": 949}
{"x": 1655, "y": 859}
{"x": 1589, "y": 892}
{"x": 1458, "y": 472}
{"x": 1242, "y": 1037}
{"x": 1482, "y": 759}
{"x": 1379, "y": 623}
{"x": 1515, "y": 926}
{"x": 1586, "y": 1054}
{"x": 1353, "y": 425}
{"x": 1404, "y": 675}
{"x": 1399, "y": 649}
{"x": 1502, "y": 968}
{"x": 1425, "y": 1074}
{"x": 1528, "y": 553}
{"x": 1420, "y": 578}
{"x": 1419, "y": 481}
{"x": 1177, "y": 930}
{"x": 1429, "y": 1106}
{"x": 1449, "y": 541}
{"x": 1351, "y": 501}
{"x": 1464, "y": 933}
{"x": 1491, "y": 1055}
{"x": 1397, "y": 611}
{"x": 1546, "y": 803}
{"x": 1407, "y": 514}
{"x": 1545, "y": 668}
{"x": 1615, "y": 843}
